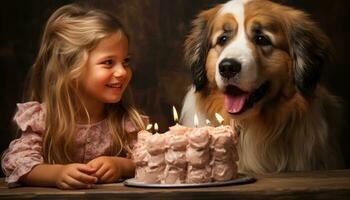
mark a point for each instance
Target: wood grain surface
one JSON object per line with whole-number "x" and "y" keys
{"x": 302, "y": 185}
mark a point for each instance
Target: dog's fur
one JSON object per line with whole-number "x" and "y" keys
{"x": 292, "y": 126}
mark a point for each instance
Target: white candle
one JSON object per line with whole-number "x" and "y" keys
{"x": 149, "y": 126}
{"x": 176, "y": 118}
{"x": 177, "y": 128}
{"x": 219, "y": 118}
{"x": 156, "y": 127}
{"x": 195, "y": 120}
{"x": 207, "y": 122}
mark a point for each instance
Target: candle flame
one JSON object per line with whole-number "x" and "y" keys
{"x": 176, "y": 118}
{"x": 207, "y": 122}
{"x": 195, "y": 120}
{"x": 149, "y": 126}
{"x": 156, "y": 127}
{"x": 219, "y": 118}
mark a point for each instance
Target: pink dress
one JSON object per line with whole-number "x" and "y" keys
{"x": 24, "y": 153}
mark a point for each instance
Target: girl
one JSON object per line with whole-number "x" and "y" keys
{"x": 77, "y": 119}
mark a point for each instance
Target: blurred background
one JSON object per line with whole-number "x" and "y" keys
{"x": 158, "y": 29}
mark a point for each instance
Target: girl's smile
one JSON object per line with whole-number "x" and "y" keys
{"x": 115, "y": 87}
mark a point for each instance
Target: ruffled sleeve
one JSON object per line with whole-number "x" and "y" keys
{"x": 25, "y": 152}
{"x": 30, "y": 114}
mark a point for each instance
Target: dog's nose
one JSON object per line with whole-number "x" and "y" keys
{"x": 228, "y": 68}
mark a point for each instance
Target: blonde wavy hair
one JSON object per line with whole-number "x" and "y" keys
{"x": 70, "y": 34}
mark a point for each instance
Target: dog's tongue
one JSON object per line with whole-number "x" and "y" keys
{"x": 234, "y": 104}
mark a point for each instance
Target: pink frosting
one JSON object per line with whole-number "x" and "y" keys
{"x": 155, "y": 161}
{"x": 198, "y": 175}
{"x": 142, "y": 136}
{"x": 184, "y": 155}
{"x": 176, "y": 141}
{"x": 198, "y": 158}
{"x": 233, "y": 133}
{"x": 140, "y": 173}
{"x": 174, "y": 175}
{"x": 155, "y": 175}
{"x": 140, "y": 154}
{"x": 221, "y": 138}
{"x": 223, "y": 153}
{"x": 199, "y": 138}
{"x": 224, "y": 171}
{"x": 178, "y": 129}
{"x": 133, "y": 133}
{"x": 176, "y": 158}
{"x": 221, "y": 144}
{"x": 155, "y": 144}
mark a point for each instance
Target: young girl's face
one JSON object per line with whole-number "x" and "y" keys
{"x": 108, "y": 72}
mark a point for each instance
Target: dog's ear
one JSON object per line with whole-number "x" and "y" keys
{"x": 197, "y": 46}
{"x": 310, "y": 50}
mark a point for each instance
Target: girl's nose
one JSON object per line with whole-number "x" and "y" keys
{"x": 120, "y": 71}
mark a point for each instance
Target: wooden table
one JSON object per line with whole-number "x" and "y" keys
{"x": 310, "y": 185}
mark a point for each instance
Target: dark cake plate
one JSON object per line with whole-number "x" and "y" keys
{"x": 242, "y": 179}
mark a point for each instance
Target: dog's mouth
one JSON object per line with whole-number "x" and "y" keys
{"x": 238, "y": 101}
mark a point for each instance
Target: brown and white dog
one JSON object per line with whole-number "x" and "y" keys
{"x": 258, "y": 63}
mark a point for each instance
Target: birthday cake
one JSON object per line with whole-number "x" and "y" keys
{"x": 186, "y": 155}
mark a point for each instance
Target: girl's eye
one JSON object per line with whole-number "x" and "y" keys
{"x": 126, "y": 61}
{"x": 262, "y": 40}
{"x": 107, "y": 62}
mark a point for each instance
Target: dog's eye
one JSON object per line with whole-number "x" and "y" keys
{"x": 222, "y": 40}
{"x": 262, "y": 40}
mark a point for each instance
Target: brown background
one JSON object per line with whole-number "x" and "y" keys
{"x": 158, "y": 29}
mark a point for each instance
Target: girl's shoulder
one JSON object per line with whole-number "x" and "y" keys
{"x": 30, "y": 115}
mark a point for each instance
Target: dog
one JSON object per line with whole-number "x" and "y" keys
{"x": 258, "y": 64}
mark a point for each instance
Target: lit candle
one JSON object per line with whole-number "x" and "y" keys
{"x": 176, "y": 118}
{"x": 219, "y": 118}
{"x": 207, "y": 122}
{"x": 156, "y": 127}
{"x": 177, "y": 128}
{"x": 149, "y": 126}
{"x": 195, "y": 120}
